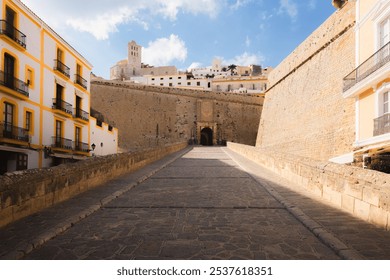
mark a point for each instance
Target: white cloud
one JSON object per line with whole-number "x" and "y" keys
{"x": 164, "y": 51}
{"x": 103, "y": 17}
{"x": 312, "y": 4}
{"x": 244, "y": 59}
{"x": 248, "y": 41}
{"x": 239, "y": 4}
{"x": 194, "y": 65}
{"x": 289, "y": 7}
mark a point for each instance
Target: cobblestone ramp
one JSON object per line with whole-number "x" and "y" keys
{"x": 201, "y": 206}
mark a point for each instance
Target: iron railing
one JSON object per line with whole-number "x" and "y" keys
{"x": 80, "y": 114}
{"x": 9, "y": 81}
{"x": 9, "y": 131}
{"x": 61, "y": 67}
{"x": 373, "y": 63}
{"x": 59, "y": 104}
{"x": 80, "y": 81}
{"x": 81, "y": 147}
{"x": 62, "y": 143}
{"x": 382, "y": 125}
{"x": 10, "y": 31}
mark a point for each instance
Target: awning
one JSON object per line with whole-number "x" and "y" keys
{"x": 69, "y": 156}
{"x": 15, "y": 150}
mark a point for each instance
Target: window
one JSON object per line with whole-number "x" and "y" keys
{"x": 10, "y": 17}
{"x": 77, "y": 136}
{"x": 188, "y": 83}
{"x": 59, "y": 91}
{"x": 9, "y": 71}
{"x": 28, "y": 121}
{"x": 60, "y": 54}
{"x": 30, "y": 77}
{"x": 58, "y": 130}
{"x": 384, "y": 32}
{"x": 198, "y": 83}
{"x": 21, "y": 162}
{"x": 386, "y": 103}
{"x": 8, "y": 118}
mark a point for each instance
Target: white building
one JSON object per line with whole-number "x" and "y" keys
{"x": 214, "y": 71}
{"x": 104, "y": 138}
{"x": 176, "y": 81}
{"x": 44, "y": 94}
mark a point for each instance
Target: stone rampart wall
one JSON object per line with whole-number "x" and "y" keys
{"x": 24, "y": 193}
{"x": 363, "y": 193}
{"x": 148, "y": 116}
{"x": 304, "y": 111}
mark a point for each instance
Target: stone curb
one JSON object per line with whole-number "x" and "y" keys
{"x": 330, "y": 240}
{"x": 23, "y": 249}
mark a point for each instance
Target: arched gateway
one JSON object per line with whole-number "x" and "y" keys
{"x": 206, "y": 137}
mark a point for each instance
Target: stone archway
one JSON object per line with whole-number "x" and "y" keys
{"x": 206, "y": 137}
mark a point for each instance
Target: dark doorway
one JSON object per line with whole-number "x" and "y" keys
{"x": 206, "y": 137}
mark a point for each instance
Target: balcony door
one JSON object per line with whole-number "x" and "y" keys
{"x": 58, "y": 136}
{"x": 8, "y": 119}
{"x": 10, "y": 16}
{"x": 9, "y": 70}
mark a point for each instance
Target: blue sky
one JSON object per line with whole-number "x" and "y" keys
{"x": 184, "y": 33}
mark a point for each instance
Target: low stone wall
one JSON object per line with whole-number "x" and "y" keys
{"x": 27, "y": 192}
{"x": 363, "y": 193}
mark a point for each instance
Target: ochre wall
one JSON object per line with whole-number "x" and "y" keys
{"x": 304, "y": 112}
{"x": 148, "y": 116}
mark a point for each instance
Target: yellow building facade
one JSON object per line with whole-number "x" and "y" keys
{"x": 369, "y": 83}
{"x": 44, "y": 93}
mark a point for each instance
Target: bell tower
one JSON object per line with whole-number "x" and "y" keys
{"x": 134, "y": 58}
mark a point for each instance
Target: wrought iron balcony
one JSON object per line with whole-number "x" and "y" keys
{"x": 62, "y": 143}
{"x": 61, "y": 67}
{"x": 9, "y": 131}
{"x": 81, "y": 147}
{"x": 9, "y": 81}
{"x": 80, "y": 114}
{"x": 382, "y": 125}
{"x": 61, "y": 105}
{"x": 81, "y": 81}
{"x": 10, "y": 31}
{"x": 368, "y": 67}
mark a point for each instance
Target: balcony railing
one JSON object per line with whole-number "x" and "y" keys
{"x": 376, "y": 61}
{"x": 9, "y": 81}
{"x": 382, "y": 125}
{"x": 80, "y": 81}
{"x": 62, "y": 143}
{"x": 59, "y": 104}
{"x": 81, "y": 147}
{"x": 12, "y": 132}
{"x": 61, "y": 67}
{"x": 80, "y": 114}
{"x": 10, "y": 31}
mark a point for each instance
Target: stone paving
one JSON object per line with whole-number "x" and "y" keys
{"x": 204, "y": 203}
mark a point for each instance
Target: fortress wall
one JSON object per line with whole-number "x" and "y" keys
{"x": 26, "y": 192}
{"x": 304, "y": 112}
{"x": 149, "y": 116}
{"x": 361, "y": 192}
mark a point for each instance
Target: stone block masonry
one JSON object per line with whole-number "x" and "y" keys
{"x": 304, "y": 111}
{"x": 150, "y": 116}
{"x": 24, "y": 193}
{"x": 363, "y": 193}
